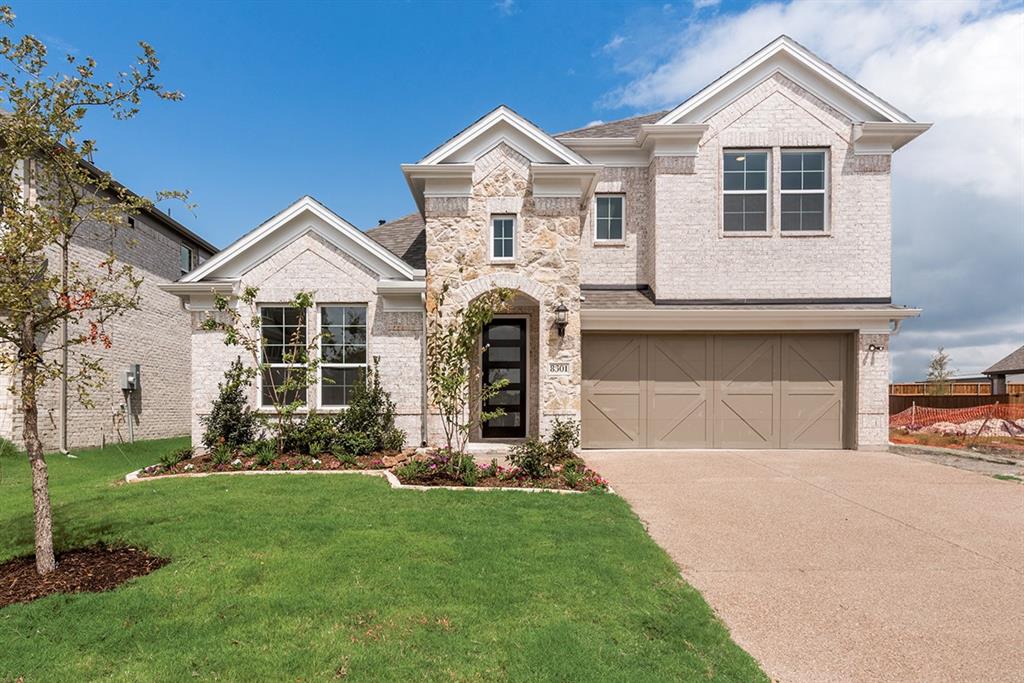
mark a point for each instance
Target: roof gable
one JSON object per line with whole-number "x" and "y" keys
{"x": 1012, "y": 364}
{"x": 304, "y": 216}
{"x": 503, "y": 125}
{"x": 784, "y": 55}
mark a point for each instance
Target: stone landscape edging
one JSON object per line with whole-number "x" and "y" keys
{"x": 133, "y": 478}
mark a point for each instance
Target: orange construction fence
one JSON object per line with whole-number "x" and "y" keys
{"x": 919, "y": 416}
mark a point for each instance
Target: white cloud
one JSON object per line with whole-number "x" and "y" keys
{"x": 595, "y": 122}
{"x": 614, "y": 44}
{"x": 506, "y": 8}
{"x": 702, "y": 4}
{"x": 958, "y": 198}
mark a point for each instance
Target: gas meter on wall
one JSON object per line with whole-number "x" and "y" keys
{"x": 130, "y": 378}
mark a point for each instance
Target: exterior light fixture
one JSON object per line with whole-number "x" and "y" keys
{"x": 872, "y": 348}
{"x": 561, "y": 318}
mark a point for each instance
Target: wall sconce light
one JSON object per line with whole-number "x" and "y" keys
{"x": 872, "y": 348}
{"x": 561, "y": 318}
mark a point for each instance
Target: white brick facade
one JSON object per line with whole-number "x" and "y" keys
{"x": 311, "y": 264}
{"x": 694, "y": 259}
{"x": 155, "y": 336}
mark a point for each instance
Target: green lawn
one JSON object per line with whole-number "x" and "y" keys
{"x": 316, "y": 577}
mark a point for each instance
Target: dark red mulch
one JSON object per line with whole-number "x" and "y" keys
{"x": 94, "y": 569}
{"x": 289, "y": 461}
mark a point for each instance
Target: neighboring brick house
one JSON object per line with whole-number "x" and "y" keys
{"x": 161, "y": 250}
{"x": 713, "y": 276}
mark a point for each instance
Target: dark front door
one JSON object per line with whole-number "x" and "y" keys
{"x": 504, "y": 357}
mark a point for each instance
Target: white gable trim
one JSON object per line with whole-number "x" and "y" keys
{"x": 503, "y": 116}
{"x": 779, "y": 49}
{"x": 245, "y": 253}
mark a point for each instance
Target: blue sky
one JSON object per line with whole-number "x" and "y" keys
{"x": 327, "y": 99}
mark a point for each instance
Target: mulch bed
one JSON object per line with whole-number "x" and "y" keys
{"x": 93, "y": 569}
{"x": 326, "y": 461}
{"x": 442, "y": 479}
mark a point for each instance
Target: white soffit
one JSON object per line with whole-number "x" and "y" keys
{"x": 786, "y": 56}
{"x": 304, "y": 216}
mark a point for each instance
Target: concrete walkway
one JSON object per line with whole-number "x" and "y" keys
{"x": 842, "y": 566}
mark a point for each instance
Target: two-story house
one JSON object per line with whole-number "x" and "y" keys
{"x": 712, "y": 276}
{"x": 160, "y": 250}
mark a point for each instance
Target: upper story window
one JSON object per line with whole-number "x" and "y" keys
{"x": 803, "y": 189}
{"x": 283, "y": 350}
{"x": 745, "y": 186}
{"x": 186, "y": 259}
{"x": 503, "y": 238}
{"x": 342, "y": 352}
{"x": 610, "y": 217}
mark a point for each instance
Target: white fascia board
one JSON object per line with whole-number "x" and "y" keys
{"x": 456, "y": 178}
{"x": 557, "y": 180}
{"x": 401, "y": 287}
{"x": 503, "y": 115}
{"x": 873, "y": 137}
{"x": 710, "y": 320}
{"x": 671, "y": 139}
{"x": 785, "y": 46}
{"x": 342, "y": 228}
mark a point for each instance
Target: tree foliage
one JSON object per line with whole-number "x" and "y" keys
{"x": 241, "y": 323}
{"x": 453, "y": 347}
{"x": 231, "y": 421}
{"x": 50, "y": 196}
{"x": 940, "y": 373}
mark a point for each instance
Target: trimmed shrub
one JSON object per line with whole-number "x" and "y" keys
{"x": 355, "y": 443}
{"x": 531, "y": 457}
{"x": 563, "y": 440}
{"x": 174, "y": 457}
{"x": 371, "y": 410}
{"x": 231, "y": 421}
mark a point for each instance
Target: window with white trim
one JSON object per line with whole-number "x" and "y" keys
{"x": 610, "y": 217}
{"x": 283, "y": 350}
{"x": 342, "y": 352}
{"x": 186, "y": 259}
{"x": 503, "y": 238}
{"x": 803, "y": 190}
{"x": 745, "y": 190}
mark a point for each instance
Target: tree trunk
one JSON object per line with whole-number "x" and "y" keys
{"x": 45, "y": 561}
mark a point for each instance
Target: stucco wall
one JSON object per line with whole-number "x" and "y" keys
{"x": 695, "y": 260}
{"x": 156, "y": 337}
{"x": 312, "y": 264}
{"x": 546, "y": 268}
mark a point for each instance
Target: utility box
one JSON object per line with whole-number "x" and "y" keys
{"x": 130, "y": 378}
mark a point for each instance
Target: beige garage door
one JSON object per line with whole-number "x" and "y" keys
{"x": 714, "y": 391}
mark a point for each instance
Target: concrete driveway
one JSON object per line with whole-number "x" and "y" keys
{"x": 842, "y": 565}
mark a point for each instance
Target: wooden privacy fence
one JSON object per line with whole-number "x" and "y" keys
{"x": 954, "y": 388}
{"x": 897, "y": 404}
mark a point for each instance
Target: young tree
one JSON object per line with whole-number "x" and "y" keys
{"x": 939, "y": 372}
{"x": 286, "y": 385}
{"x": 49, "y": 193}
{"x": 452, "y": 347}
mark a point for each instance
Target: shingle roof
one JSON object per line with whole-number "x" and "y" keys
{"x": 1011, "y": 365}
{"x": 623, "y": 128}
{"x": 404, "y": 237}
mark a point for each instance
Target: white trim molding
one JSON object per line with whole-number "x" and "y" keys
{"x": 884, "y": 138}
{"x": 669, "y": 318}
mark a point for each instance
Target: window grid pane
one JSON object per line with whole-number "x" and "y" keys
{"x": 503, "y": 230}
{"x": 609, "y": 217}
{"x": 342, "y": 352}
{"x": 745, "y": 188}
{"x": 803, "y": 190}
